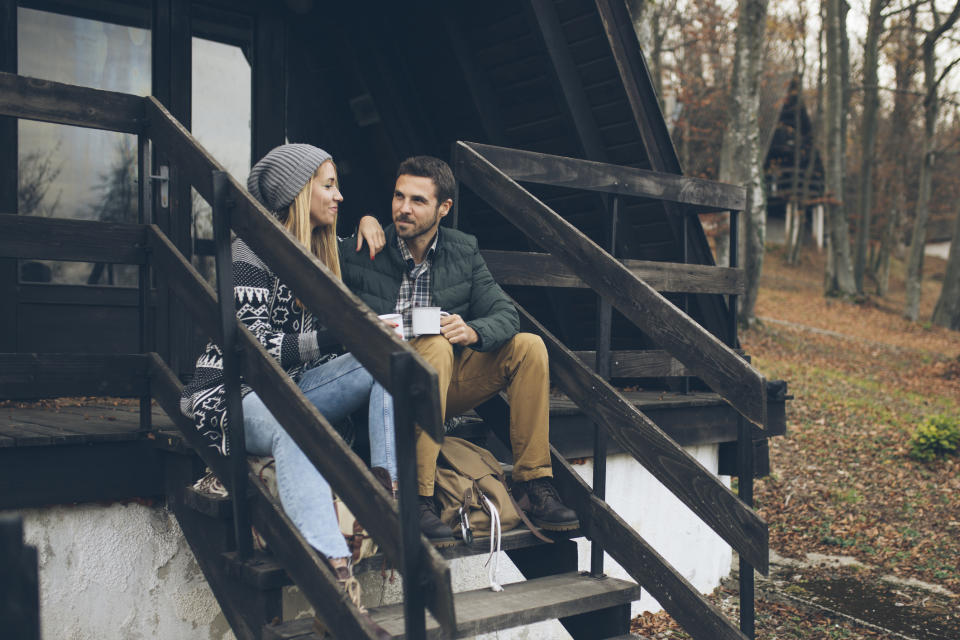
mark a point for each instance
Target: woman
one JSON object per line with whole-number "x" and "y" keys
{"x": 298, "y": 183}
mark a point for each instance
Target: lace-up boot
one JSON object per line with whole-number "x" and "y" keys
{"x": 432, "y": 526}
{"x": 541, "y": 502}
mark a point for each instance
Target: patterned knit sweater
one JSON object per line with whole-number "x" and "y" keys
{"x": 288, "y": 332}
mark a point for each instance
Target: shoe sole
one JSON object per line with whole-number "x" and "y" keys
{"x": 443, "y": 543}
{"x": 557, "y": 526}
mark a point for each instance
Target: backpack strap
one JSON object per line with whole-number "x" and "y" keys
{"x": 526, "y": 521}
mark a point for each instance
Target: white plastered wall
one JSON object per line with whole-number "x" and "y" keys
{"x": 119, "y": 571}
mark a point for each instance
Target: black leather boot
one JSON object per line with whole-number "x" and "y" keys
{"x": 541, "y": 502}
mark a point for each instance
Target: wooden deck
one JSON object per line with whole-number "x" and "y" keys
{"x": 84, "y": 450}
{"x": 102, "y": 421}
{"x": 105, "y": 420}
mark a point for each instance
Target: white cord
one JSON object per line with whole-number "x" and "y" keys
{"x": 494, "y": 545}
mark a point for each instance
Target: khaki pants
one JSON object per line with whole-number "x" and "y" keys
{"x": 470, "y": 378}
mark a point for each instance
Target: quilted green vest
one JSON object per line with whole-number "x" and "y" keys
{"x": 460, "y": 280}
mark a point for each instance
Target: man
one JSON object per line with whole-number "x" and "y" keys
{"x": 478, "y": 352}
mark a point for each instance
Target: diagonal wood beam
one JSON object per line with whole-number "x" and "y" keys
{"x": 319, "y": 441}
{"x": 697, "y": 195}
{"x": 673, "y": 330}
{"x": 60, "y": 103}
{"x": 679, "y": 472}
{"x": 310, "y": 572}
{"x": 354, "y": 324}
{"x": 697, "y": 615}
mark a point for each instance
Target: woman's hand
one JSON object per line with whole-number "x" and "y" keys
{"x": 370, "y": 230}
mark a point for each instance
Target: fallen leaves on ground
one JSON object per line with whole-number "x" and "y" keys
{"x": 862, "y": 378}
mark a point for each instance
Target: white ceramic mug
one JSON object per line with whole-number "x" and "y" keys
{"x": 426, "y": 321}
{"x": 394, "y": 319}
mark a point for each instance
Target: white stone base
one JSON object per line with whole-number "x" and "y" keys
{"x": 119, "y": 571}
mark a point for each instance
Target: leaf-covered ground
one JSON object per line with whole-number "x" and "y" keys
{"x": 843, "y": 483}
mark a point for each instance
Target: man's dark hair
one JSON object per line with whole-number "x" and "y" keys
{"x": 433, "y": 168}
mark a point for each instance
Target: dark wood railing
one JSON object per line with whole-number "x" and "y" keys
{"x": 575, "y": 260}
{"x": 427, "y": 576}
{"x": 19, "y": 589}
{"x": 714, "y": 362}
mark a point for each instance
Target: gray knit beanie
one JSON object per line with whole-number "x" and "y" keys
{"x": 281, "y": 174}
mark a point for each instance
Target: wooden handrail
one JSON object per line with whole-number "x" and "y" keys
{"x": 308, "y": 570}
{"x": 318, "y": 440}
{"x": 36, "y": 238}
{"x": 544, "y": 270}
{"x": 60, "y": 103}
{"x": 696, "y": 194}
{"x": 57, "y": 375}
{"x": 697, "y": 615}
{"x": 712, "y": 502}
{"x": 354, "y": 324}
{"x": 700, "y": 351}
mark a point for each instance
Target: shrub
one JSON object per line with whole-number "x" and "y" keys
{"x": 936, "y": 436}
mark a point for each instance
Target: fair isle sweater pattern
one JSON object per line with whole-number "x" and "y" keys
{"x": 287, "y": 331}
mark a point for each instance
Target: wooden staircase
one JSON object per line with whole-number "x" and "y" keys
{"x": 248, "y": 586}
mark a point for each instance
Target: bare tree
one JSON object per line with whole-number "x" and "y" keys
{"x": 740, "y": 160}
{"x": 947, "y": 311}
{"x": 651, "y": 22}
{"x": 38, "y": 172}
{"x": 868, "y": 135}
{"x": 118, "y": 201}
{"x": 931, "y": 83}
{"x": 839, "y": 275}
{"x": 904, "y": 57}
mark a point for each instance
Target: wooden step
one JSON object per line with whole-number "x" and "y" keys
{"x": 262, "y": 571}
{"x": 482, "y": 611}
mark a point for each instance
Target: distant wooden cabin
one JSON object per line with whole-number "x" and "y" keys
{"x": 793, "y": 169}
{"x": 567, "y": 176}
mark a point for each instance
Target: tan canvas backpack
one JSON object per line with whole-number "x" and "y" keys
{"x": 466, "y": 474}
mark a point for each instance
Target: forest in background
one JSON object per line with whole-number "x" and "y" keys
{"x": 879, "y": 83}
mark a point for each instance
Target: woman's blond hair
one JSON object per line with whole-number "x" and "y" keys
{"x": 322, "y": 241}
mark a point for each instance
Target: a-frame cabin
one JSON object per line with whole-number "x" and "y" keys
{"x": 571, "y": 184}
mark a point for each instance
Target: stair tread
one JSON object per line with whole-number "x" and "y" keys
{"x": 262, "y": 571}
{"x": 482, "y": 610}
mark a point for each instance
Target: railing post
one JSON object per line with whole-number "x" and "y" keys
{"x": 604, "y": 328}
{"x": 734, "y": 258}
{"x": 745, "y": 491}
{"x": 405, "y": 435}
{"x": 744, "y": 453}
{"x": 685, "y": 297}
{"x": 144, "y": 216}
{"x": 231, "y": 365}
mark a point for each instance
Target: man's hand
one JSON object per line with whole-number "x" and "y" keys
{"x": 457, "y": 331}
{"x": 370, "y": 230}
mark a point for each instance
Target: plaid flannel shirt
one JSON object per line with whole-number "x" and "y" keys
{"x": 415, "y": 287}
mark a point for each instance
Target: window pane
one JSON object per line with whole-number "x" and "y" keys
{"x": 71, "y": 172}
{"x": 220, "y": 120}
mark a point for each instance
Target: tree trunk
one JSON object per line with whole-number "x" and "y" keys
{"x": 930, "y": 108}
{"x": 918, "y": 238}
{"x": 796, "y": 210}
{"x": 947, "y": 312}
{"x": 904, "y": 71}
{"x": 740, "y": 161}
{"x": 838, "y": 281}
{"x": 868, "y": 140}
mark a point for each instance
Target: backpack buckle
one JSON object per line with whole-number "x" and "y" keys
{"x": 465, "y": 529}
